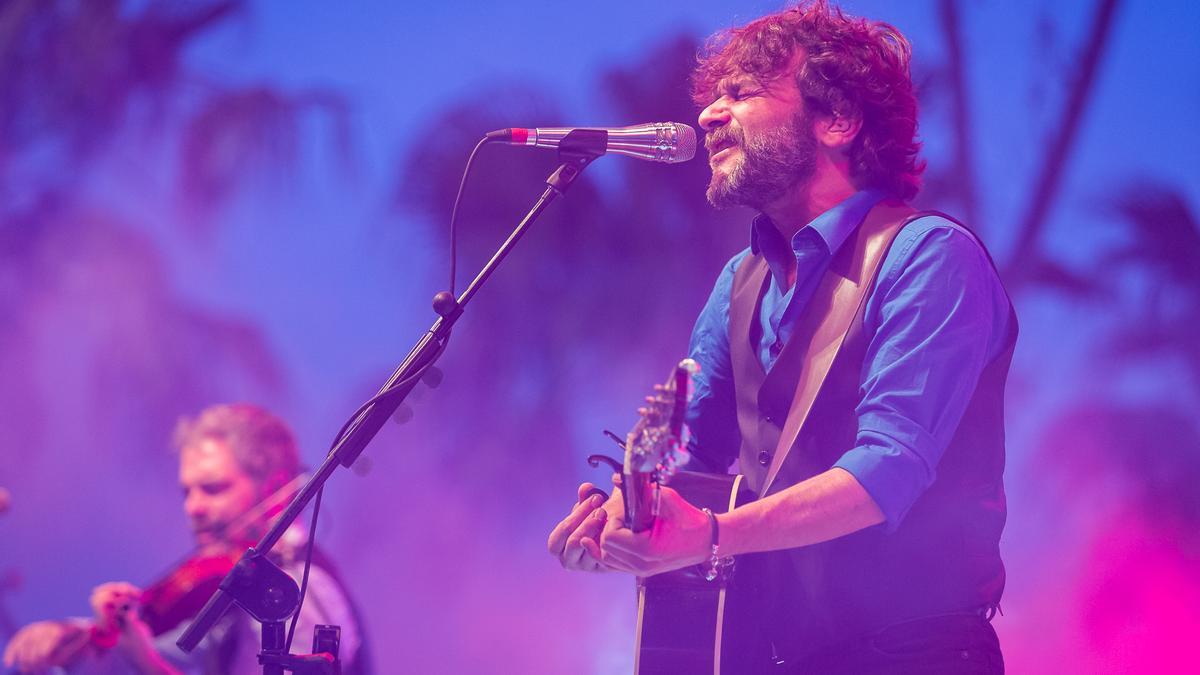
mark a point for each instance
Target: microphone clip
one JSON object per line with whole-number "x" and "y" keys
{"x": 576, "y": 150}
{"x": 583, "y": 145}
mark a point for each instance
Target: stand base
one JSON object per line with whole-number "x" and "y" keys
{"x": 302, "y": 664}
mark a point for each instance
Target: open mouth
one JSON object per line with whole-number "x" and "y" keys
{"x": 715, "y": 144}
{"x": 720, "y": 151}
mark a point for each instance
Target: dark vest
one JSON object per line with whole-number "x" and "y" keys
{"x": 943, "y": 558}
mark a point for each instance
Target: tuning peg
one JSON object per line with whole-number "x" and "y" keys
{"x": 596, "y": 460}
{"x": 615, "y": 438}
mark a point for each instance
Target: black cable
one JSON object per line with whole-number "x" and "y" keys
{"x": 312, "y": 535}
{"x": 340, "y": 436}
{"x": 312, "y": 530}
{"x": 454, "y": 211}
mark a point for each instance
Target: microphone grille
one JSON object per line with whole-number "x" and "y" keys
{"x": 685, "y": 143}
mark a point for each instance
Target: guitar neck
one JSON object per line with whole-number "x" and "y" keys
{"x": 653, "y": 447}
{"x": 640, "y": 492}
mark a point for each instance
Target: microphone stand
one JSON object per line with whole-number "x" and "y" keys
{"x": 256, "y": 584}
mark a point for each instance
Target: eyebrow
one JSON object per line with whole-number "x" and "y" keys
{"x": 741, "y": 82}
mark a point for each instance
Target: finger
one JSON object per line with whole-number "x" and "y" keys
{"x": 124, "y": 588}
{"x": 585, "y": 489}
{"x": 597, "y": 567}
{"x": 592, "y": 546}
{"x": 624, "y": 542}
{"x": 595, "y": 491}
{"x": 575, "y": 556}
{"x": 591, "y": 526}
{"x": 558, "y": 536}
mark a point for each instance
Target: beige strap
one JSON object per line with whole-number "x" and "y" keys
{"x": 835, "y": 303}
{"x": 733, "y": 495}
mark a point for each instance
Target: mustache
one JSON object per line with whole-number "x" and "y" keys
{"x": 721, "y": 137}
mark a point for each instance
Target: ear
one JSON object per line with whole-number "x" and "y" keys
{"x": 837, "y": 131}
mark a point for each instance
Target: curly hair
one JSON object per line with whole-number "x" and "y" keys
{"x": 262, "y": 444}
{"x": 850, "y": 67}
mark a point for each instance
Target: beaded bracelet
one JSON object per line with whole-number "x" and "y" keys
{"x": 716, "y": 564}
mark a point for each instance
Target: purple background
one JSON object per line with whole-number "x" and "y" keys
{"x": 206, "y": 202}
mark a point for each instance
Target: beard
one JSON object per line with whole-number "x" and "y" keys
{"x": 770, "y": 164}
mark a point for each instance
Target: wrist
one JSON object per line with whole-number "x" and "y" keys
{"x": 719, "y": 564}
{"x": 727, "y": 524}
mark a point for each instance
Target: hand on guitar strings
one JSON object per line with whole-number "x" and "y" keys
{"x": 575, "y": 540}
{"x": 680, "y": 536}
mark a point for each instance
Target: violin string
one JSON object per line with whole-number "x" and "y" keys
{"x": 239, "y": 525}
{"x": 243, "y": 521}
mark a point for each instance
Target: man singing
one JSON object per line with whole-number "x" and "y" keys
{"x": 887, "y": 503}
{"x": 237, "y": 467}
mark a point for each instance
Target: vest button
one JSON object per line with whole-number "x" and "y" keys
{"x": 764, "y": 457}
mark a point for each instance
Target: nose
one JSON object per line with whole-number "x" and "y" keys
{"x": 193, "y": 505}
{"x": 715, "y": 114}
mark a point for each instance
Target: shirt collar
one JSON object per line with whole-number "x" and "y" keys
{"x": 833, "y": 226}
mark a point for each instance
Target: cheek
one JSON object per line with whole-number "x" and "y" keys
{"x": 243, "y": 498}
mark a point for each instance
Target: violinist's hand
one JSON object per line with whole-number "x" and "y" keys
{"x": 115, "y": 606}
{"x": 43, "y": 645}
{"x": 574, "y": 541}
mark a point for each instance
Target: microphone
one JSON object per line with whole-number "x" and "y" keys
{"x": 668, "y": 142}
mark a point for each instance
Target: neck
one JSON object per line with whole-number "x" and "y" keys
{"x": 829, "y": 186}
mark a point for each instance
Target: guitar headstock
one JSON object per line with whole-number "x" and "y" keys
{"x": 657, "y": 443}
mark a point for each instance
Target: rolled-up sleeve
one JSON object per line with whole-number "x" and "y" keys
{"x": 937, "y": 316}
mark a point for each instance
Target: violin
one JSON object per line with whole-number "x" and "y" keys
{"x": 179, "y": 595}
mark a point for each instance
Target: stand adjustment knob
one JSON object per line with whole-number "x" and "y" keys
{"x": 444, "y": 303}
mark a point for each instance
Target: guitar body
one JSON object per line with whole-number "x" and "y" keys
{"x": 688, "y": 625}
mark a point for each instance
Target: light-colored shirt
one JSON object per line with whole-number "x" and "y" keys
{"x": 232, "y": 646}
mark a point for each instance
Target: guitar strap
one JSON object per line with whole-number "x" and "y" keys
{"x": 831, "y": 314}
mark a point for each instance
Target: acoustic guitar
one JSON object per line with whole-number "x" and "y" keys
{"x": 689, "y": 621}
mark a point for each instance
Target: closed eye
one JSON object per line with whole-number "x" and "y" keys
{"x": 743, "y": 93}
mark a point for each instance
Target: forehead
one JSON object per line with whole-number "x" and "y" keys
{"x": 738, "y": 78}
{"x": 206, "y": 460}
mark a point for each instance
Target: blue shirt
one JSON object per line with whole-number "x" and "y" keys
{"x": 936, "y": 316}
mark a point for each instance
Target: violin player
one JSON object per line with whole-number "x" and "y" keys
{"x": 238, "y": 467}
